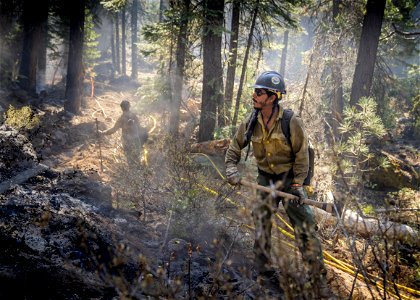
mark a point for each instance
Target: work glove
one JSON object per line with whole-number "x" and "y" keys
{"x": 298, "y": 191}
{"x": 233, "y": 176}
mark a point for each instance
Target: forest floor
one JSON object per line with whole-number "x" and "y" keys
{"x": 74, "y": 144}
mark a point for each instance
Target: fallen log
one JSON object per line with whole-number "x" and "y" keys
{"x": 352, "y": 221}
{"x": 22, "y": 177}
{"x": 368, "y": 227}
{"x": 216, "y": 147}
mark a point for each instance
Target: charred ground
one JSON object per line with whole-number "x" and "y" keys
{"x": 75, "y": 232}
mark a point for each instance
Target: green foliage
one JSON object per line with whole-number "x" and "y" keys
{"x": 153, "y": 90}
{"x": 159, "y": 39}
{"x": 21, "y": 119}
{"x": 415, "y": 111}
{"x": 190, "y": 207}
{"x": 114, "y": 5}
{"x": 383, "y": 162}
{"x": 362, "y": 122}
{"x": 401, "y": 97}
{"x": 223, "y": 132}
{"x": 359, "y": 125}
{"x": 368, "y": 209}
{"x": 90, "y": 47}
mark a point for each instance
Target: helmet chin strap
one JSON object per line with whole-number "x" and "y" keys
{"x": 279, "y": 94}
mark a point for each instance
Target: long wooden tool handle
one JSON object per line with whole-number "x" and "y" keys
{"x": 328, "y": 207}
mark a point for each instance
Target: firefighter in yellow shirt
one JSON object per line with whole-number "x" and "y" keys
{"x": 277, "y": 160}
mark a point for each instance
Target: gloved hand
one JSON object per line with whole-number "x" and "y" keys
{"x": 298, "y": 191}
{"x": 233, "y": 176}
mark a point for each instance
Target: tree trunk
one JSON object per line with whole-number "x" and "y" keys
{"x": 32, "y": 23}
{"x": 305, "y": 86}
{"x": 212, "y": 94}
{"x": 241, "y": 82}
{"x": 117, "y": 44}
{"x": 74, "y": 84}
{"x": 337, "y": 102}
{"x": 181, "y": 47}
{"x": 123, "y": 44}
{"x": 368, "y": 48}
{"x": 6, "y": 56}
{"x": 112, "y": 38}
{"x": 259, "y": 57}
{"x": 42, "y": 60}
{"x": 284, "y": 53}
{"x": 134, "y": 32}
{"x": 221, "y": 107}
{"x": 233, "y": 55}
{"x": 370, "y": 227}
{"x": 335, "y": 9}
{"x": 162, "y": 8}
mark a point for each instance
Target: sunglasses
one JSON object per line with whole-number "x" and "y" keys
{"x": 259, "y": 92}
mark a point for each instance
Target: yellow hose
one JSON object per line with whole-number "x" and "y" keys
{"x": 284, "y": 222}
{"x": 328, "y": 258}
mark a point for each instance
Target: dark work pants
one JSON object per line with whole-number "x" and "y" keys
{"x": 302, "y": 220}
{"x": 132, "y": 154}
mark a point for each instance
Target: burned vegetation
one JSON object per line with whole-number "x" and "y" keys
{"x": 122, "y": 171}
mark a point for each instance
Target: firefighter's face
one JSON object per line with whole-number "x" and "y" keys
{"x": 261, "y": 99}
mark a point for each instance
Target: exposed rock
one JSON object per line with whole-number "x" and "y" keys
{"x": 400, "y": 173}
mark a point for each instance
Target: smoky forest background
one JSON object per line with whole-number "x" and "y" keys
{"x": 79, "y": 222}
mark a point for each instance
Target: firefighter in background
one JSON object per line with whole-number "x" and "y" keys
{"x": 133, "y": 136}
{"x": 277, "y": 160}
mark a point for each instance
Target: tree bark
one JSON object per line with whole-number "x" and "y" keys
{"x": 117, "y": 44}
{"x": 162, "y": 8}
{"x": 112, "y": 39}
{"x": 134, "y": 32}
{"x": 337, "y": 102}
{"x": 178, "y": 79}
{"x": 74, "y": 84}
{"x": 305, "y": 86}
{"x": 241, "y": 82}
{"x": 42, "y": 60}
{"x": 260, "y": 55}
{"x": 6, "y": 58}
{"x": 123, "y": 44}
{"x": 354, "y": 222}
{"x": 212, "y": 94}
{"x": 32, "y": 23}
{"x": 233, "y": 55}
{"x": 284, "y": 54}
{"x": 368, "y": 48}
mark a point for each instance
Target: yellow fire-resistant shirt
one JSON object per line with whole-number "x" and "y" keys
{"x": 272, "y": 150}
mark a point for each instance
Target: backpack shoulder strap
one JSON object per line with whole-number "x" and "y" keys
{"x": 285, "y": 124}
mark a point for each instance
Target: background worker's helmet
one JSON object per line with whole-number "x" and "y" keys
{"x": 272, "y": 81}
{"x": 125, "y": 105}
